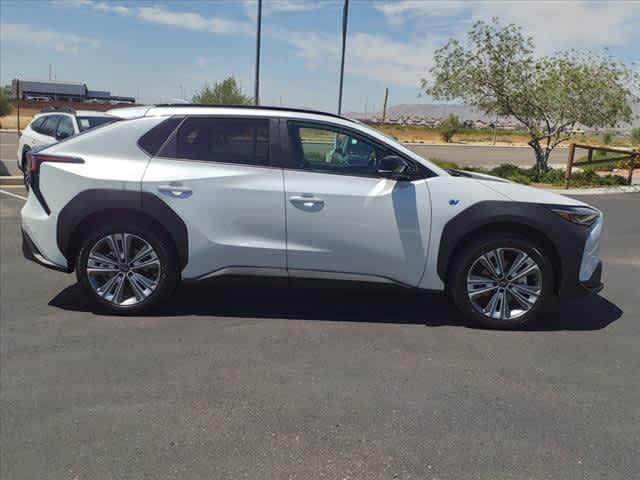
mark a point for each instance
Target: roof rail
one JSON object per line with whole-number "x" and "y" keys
{"x": 255, "y": 107}
{"x": 49, "y": 109}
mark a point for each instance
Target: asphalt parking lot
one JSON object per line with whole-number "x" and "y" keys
{"x": 244, "y": 379}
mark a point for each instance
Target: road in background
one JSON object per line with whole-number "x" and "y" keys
{"x": 256, "y": 380}
{"x": 464, "y": 155}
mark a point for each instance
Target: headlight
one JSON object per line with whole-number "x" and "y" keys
{"x": 581, "y": 215}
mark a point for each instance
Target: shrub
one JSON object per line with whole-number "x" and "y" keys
{"x": 506, "y": 170}
{"x": 5, "y": 105}
{"x": 635, "y": 136}
{"x": 519, "y": 178}
{"x": 445, "y": 163}
{"x": 607, "y": 138}
{"x": 449, "y": 127}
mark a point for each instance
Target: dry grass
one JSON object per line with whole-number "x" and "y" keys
{"x": 11, "y": 121}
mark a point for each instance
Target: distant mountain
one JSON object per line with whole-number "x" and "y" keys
{"x": 434, "y": 110}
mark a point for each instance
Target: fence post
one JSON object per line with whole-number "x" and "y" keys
{"x": 572, "y": 150}
{"x": 632, "y": 162}
{"x": 590, "y": 156}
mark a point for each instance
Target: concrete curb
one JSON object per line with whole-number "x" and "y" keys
{"x": 597, "y": 190}
{"x": 12, "y": 180}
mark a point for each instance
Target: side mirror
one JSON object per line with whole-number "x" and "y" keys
{"x": 394, "y": 167}
{"x": 62, "y": 135}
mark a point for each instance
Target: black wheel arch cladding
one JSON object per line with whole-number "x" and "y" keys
{"x": 94, "y": 201}
{"x": 567, "y": 239}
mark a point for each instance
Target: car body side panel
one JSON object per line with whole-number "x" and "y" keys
{"x": 449, "y": 197}
{"x": 234, "y": 213}
{"x": 364, "y": 225}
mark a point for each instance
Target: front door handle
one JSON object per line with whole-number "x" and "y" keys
{"x": 175, "y": 188}
{"x": 306, "y": 200}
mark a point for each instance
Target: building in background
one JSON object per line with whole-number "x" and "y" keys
{"x": 50, "y": 90}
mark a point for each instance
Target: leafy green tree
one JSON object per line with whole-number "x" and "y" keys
{"x": 635, "y": 136}
{"x": 498, "y": 73}
{"x": 5, "y": 103}
{"x": 449, "y": 127}
{"x": 227, "y": 92}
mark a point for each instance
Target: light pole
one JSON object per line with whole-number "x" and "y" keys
{"x": 345, "y": 14}
{"x": 256, "y": 98}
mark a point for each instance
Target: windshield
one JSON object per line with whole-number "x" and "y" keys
{"x": 85, "y": 123}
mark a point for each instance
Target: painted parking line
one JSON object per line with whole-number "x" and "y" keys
{"x": 11, "y": 194}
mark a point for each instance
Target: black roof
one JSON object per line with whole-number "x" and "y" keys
{"x": 255, "y": 107}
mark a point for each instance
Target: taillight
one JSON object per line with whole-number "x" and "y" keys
{"x": 36, "y": 159}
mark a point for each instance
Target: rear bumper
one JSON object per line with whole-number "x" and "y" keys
{"x": 31, "y": 252}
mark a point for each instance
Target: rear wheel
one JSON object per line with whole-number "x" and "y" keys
{"x": 501, "y": 281}
{"x": 125, "y": 269}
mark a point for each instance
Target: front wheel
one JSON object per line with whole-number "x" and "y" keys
{"x": 501, "y": 281}
{"x": 125, "y": 269}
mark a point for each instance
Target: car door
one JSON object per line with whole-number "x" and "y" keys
{"x": 344, "y": 218}
{"x": 216, "y": 174}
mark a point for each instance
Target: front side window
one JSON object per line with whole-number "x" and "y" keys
{"x": 224, "y": 140}
{"x": 49, "y": 125}
{"x": 36, "y": 125}
{"x": 65, "y": 128}
{"x": 329, "y": 149}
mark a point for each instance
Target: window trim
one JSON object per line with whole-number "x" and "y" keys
{"x": 273, "y": 133}
{"x": 422, "y": 172}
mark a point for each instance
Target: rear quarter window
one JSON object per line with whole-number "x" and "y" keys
{"x": 151, "y": 141}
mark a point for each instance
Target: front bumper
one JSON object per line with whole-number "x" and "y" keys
{"x": 31, "y": 252}
{"x": 594, "y": 283}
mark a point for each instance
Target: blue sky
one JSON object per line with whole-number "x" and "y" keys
{"x": 152, "y": 48}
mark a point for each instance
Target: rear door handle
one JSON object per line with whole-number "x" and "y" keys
{"x": 174, "y": 188}
{"x": 306, "y": 199}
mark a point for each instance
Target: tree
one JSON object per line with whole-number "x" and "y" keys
{"x": 449, "y": 127}
{"x": 635, "y": 136}
{"x": 498, "y": 73}
{"x": 5, "y": 103}
{"x": 227, "y": 92}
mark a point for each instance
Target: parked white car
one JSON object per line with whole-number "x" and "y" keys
{"x": 190, "y": 192}
{"x": 52, "y": 126}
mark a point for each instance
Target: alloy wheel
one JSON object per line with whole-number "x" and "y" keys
{"x": 123, "y": 269}
{"x": 504, "y": 283}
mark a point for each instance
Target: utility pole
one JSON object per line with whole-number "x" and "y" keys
{"x": 384, "y": 107}
{"x": 18, "y": 102}
{"x": 49, "y": 71}
{"x": 256, "y": 98}
{"x": 345, "y": 14}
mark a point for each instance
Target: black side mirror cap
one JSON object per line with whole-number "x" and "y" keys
{"x": 395, "y": 167}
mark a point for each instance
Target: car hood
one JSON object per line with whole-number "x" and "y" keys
{"x": 522, "y": 193}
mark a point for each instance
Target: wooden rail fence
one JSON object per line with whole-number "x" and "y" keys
{"x": 633, "y": 156}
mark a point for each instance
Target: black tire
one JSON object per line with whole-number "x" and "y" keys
{"x": 466, "y": 258}
{"x": 168, "y": 277}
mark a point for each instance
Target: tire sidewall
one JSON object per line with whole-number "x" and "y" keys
{"x": 470, "y": 254}
{"x": 168, "y": 268}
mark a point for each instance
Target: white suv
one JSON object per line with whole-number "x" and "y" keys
{"x": 192, "y": 192}
{"x": 54, "y": 125}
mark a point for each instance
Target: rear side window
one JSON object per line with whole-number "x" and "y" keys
{"x": 151, "y": 141}
{"x": 49, "y": 125}
{"x": 224, "y": 140}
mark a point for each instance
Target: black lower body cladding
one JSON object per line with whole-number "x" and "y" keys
{"x": 530, "y": 219}
{"x": 92, "y": 202}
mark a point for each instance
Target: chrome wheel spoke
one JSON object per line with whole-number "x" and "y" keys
{"x": 504, "y": 283}
{"x": 123, "y": 269}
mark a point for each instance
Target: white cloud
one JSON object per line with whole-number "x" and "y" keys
{"x": 162, "y": 16}
{"x": 368, "y": 55}
{"x": 283, "y": 6}
{"x": 61, "y": 42}
{"x": 553, "y": 25}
